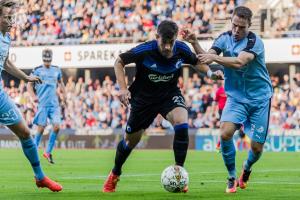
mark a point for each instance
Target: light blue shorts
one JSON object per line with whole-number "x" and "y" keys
{"x": 9, "y": 112}
{"x": 45, "y": 113}
{"x": 254, "y": 116}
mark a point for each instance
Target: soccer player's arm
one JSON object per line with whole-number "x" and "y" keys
{"x": 13, "y": 70}
{"x": 190, "y": 37}
{"x": 234, "y": 62}
{"x": 30, "y": 89}
{"x": 244, "y": 57}
{"x": 16, "y": 72}
{"x": 124, "y": 59}
{"x": 120, "y": 73}
{"x": 191, "y": 58}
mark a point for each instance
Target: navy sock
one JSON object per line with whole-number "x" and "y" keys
{"x": 122, "y": 154}
{"x": 180, "y": 143}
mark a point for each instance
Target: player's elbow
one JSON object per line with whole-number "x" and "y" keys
{"x": 238, "y": 64}
{"x": 119, "y": 63}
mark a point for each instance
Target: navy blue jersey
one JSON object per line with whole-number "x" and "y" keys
{"x": 157, "y": 76}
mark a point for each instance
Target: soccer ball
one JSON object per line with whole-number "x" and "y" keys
{"x": 174, "y": 178}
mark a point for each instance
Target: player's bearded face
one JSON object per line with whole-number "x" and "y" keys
{"x": 7, "y": 19}
{"x": 166, "y": 46}
{"x": 240, "y": 27}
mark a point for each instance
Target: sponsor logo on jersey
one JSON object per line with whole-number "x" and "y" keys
{"x": 160, "y": 78}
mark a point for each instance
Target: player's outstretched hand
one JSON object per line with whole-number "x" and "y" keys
{"x": 34, "y": 79}
{"x": 124, "y": 96}
{"x": 206, "y": 58}
{"x": 188, "y": 36}
{"x": 217, "y": 75}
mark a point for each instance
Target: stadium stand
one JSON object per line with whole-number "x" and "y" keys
{"x": 94, "y": 104}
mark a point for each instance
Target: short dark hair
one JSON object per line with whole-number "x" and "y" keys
{"x": 167, "y": 29}
{"x": 243, "y": 12}
{"x": 8, "y": 4}
{"x": 47, "y": 55}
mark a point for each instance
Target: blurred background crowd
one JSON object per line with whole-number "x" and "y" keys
{"x": 110, "y": 21}
{"x": 94, "y": 104}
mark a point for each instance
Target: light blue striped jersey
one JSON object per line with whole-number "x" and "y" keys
{"x": 46, "y": 91}
{"x": 252, "y": 81}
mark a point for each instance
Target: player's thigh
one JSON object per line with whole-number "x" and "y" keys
{"x": 141, "y": 116}
{"x": 40, "y": 129}
{"x": 178, "y": 115}
{"x": 234, "y": 112}
{"x": 41, "y": 116}
{"x": 258, "y": 123}
{"x": 54, "y": 115}
{"x": 227, "y": 129}
{"x": 20, "y": 129}
{"x": 173, "y": 109}
{"x": 233, "y": 117}
{"x": 9, "y": 113}
{"x": 133, "y": 139}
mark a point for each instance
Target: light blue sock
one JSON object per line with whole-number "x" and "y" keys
{"x": 228, "y": 153}
{"x": 30, "y": 151}
{"x": 252, "y": 158}
{"x": 51, "y": 143}
{"x": 37, "y": 139}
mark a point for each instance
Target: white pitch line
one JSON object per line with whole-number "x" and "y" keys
{"x": 207, "y": 181}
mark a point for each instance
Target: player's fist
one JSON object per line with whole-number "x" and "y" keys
{"x": 188, "y": 36}
{"x": 206, "y": 58}
{"x": 34, "y": 79}
{"x": 124, "y": 96}
{"x": 217, "y": 75}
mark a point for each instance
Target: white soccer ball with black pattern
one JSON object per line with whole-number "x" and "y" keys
{"x": 174, "y": 178}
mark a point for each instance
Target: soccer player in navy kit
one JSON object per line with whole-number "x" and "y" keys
{"x": 248, "y": 88}
{"x": 154, "y": 91}
{"x": 48, "y": 103}
{"x": 10, "y": 115}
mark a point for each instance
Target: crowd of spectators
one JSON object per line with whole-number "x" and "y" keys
{"x": 285, "y": 20}
{"x": 42, "y": 22}
{"x": 93, "y": 105}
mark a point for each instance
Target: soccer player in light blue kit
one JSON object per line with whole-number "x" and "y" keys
{"x": 9, "y": 113}
{"x": 248, "y": 87}
{"x": 48, "y": 104}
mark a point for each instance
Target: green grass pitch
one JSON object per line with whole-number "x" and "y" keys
{"x": 82, "y": 173}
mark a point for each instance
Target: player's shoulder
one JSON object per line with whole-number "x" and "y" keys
{"x": 182, "y": 46}
{"x": 253, "y": 40}
{"x": 145, "y": 46}
{"x": 55, "y": 66}
{"x": 254, "y": 37}
{"x": 38, "y": 68}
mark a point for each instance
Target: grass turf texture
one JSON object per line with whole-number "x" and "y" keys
{"x": 82, "y": 173}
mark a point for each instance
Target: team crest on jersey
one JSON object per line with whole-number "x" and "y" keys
{"x": 178, "y": 64}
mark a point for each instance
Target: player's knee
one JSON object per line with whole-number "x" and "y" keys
{"x": 257, "y": 149}
{"x": 24, "y": 135}
{"x": 131, "y": 143}
{"x": 56, "y": 128}
{"x": 225, "y": 134}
